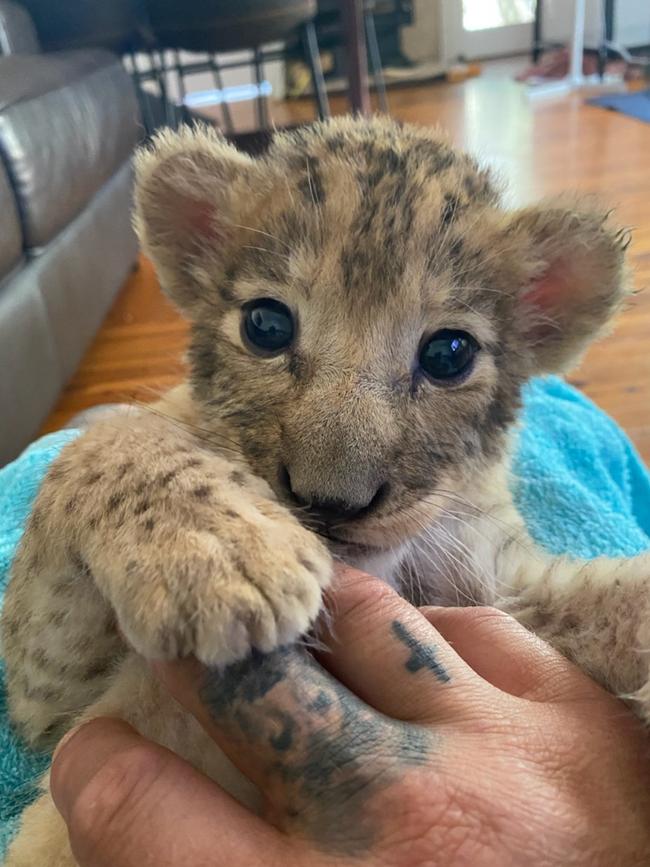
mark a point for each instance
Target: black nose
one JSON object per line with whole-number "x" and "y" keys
{"x": 329, "y": 511}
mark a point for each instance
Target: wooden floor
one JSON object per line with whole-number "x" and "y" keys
{"x": 540, "y": 148}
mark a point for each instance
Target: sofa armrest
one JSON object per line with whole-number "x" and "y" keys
{"x": 27, "y": 77}
{"x": 68, "y": 121}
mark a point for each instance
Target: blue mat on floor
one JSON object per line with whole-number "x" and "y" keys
{"x": 634, "y": 104}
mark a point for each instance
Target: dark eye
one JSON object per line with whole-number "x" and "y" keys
{"x": 448, "y": 354}
{"x": 268, "y": 325}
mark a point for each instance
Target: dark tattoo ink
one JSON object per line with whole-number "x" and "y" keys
{"x": 331, "y": 753}
{"x": 321, "y": 704}
{"x": 244, "y": 681}
{"x": 284, "y": 739}
{"x": 422, "y": 655}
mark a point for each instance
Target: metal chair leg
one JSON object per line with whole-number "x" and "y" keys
{"x": 228, "y": 125}
{"x": 158, "y": 73}
{"x": 261, "y": 103}
{"x": 375, "y": 61}
{"x": 142, "y": 96}
{"x": 310, "y": 44}
{"x": 171, "y": 114}
{"x": 180, "y": 76}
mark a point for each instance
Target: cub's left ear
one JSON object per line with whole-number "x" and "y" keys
{"x": 575, "y": 279}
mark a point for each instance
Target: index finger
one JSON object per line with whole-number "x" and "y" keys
{"x": 389, "y": 654}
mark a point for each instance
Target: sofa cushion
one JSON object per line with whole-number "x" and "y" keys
{"x": 51, "y": 308}
{"x": 67, "y": 121}
{"x": 92, "y": 256}
{"x": 10, "y": 234}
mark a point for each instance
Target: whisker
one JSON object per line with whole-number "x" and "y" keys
{"x": 262, "y": 232}
{"x": 282, "y": 256}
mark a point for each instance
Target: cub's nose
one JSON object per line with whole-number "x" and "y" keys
{"x": 328, "y": 510}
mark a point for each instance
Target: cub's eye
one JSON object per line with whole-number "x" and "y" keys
{"x": 268, "y": 324}
{"x": 448, "y": 354}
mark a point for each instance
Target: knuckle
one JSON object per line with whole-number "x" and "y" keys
{"x": 489, "y": 617}
{"x": 365, "y": 598}
{"x": 481, "y": 620}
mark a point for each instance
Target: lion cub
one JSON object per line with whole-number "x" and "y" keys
{"x": 364, "y": 315}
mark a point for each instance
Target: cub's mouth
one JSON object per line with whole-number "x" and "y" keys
{"x": 340, "y": 543}
{"x": 372, "y": 535}
{"x": 375, "y": 533}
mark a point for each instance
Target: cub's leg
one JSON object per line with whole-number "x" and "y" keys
{"x": 596, "y": 612}
{"x": 139, "y": 524}
{"x": 42, "y": 839}
{"x": 135, "y": 696}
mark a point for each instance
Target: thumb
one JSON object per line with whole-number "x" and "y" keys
{"x": 131, "y": 803}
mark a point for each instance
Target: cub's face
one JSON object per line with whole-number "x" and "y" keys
{"x": 364, "y": 313}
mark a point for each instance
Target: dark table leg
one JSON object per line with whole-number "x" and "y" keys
{"x": 608, "y": 36}
{"x": 609, "y": 20}
{"x": 357, "y": 58}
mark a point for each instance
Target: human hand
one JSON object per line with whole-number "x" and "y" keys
{"x": 399, "y": 747}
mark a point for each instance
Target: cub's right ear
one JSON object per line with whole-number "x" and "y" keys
{"x": 193, "y": 193}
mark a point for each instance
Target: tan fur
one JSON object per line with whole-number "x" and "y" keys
{"x": 176, "y": 523}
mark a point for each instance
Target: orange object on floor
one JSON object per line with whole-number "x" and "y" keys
{"x": 462, "y": 71}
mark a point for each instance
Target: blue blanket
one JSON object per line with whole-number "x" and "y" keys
{"x": 578, "y": 482}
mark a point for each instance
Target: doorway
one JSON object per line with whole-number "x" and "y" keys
{"x": 487, "y": 28}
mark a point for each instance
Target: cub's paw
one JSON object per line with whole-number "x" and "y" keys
{"x": 249, "y": 577}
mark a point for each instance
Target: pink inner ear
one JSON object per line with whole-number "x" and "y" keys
{"x": 199, "y": 216}
{"x": 549, "y": 292}
{"x": 552, "y": 295}
{"x": 190, "y": 217}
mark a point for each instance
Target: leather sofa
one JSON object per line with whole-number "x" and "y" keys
{"x": 69, "y": 121}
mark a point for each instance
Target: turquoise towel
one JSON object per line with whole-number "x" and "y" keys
{"x": 19, "y": 483}
{"x": 578, "y": 482}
